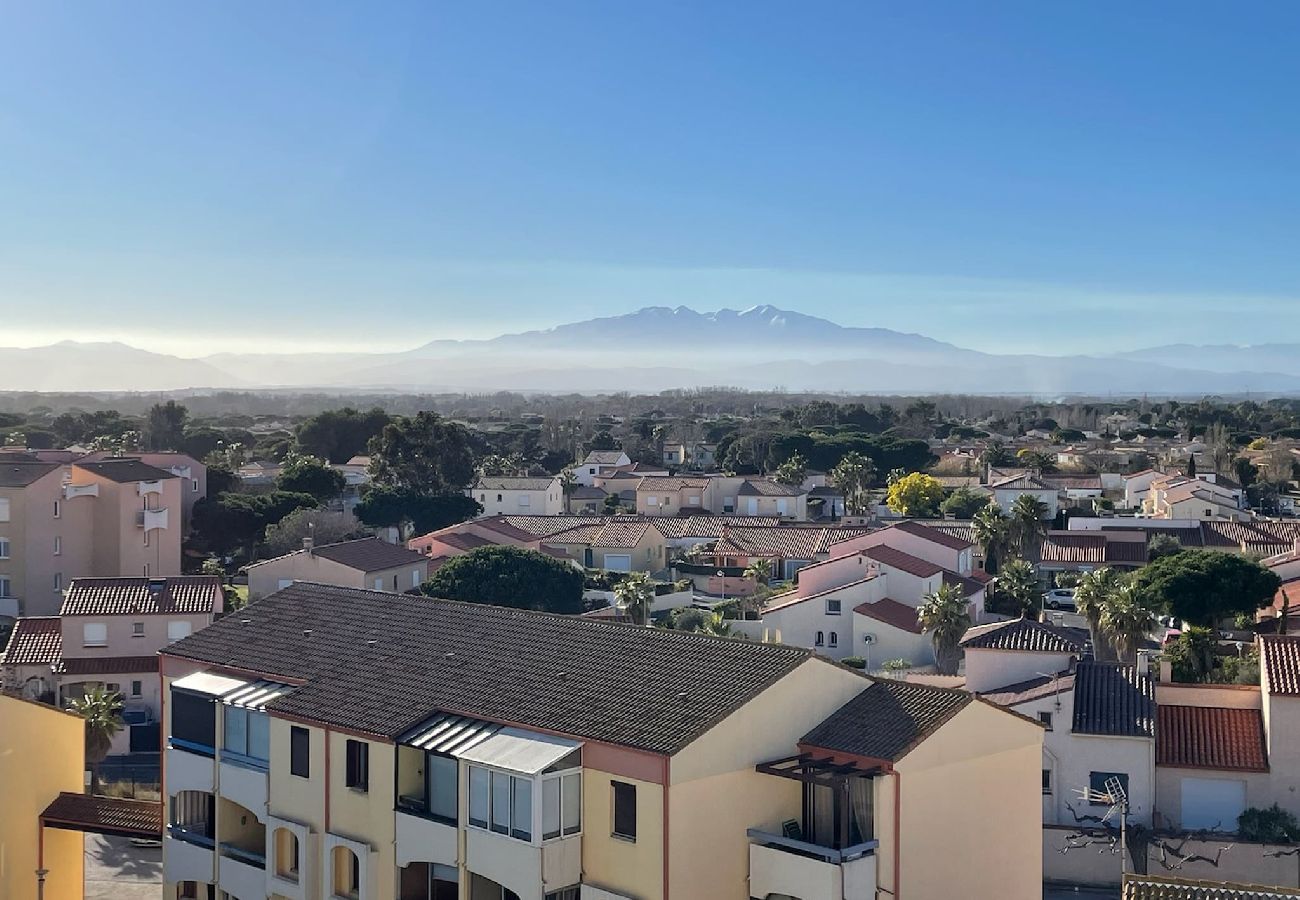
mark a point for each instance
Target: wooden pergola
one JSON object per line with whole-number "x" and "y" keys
{"x": 814, "y": 772}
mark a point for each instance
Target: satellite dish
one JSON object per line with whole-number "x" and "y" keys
{"x": 868, "y": 639}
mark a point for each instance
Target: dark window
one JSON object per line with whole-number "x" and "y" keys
{"x": 1046, "y": 719}
{"x": 832, "y": 607}
{"x": 428, "y": 881}
{"x": 299, "y": 752}
{"x": 194, "y": 720}
{"x": 820, "y": 640}
{"x": 835, "y": 639}
{"x": 1047, "y": 781}
{"x": 1097, "y": 787}
{"x": 358, "y": 774}
{"x": 624, "y": 810}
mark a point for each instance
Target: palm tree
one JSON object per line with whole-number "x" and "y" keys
{"x": 1027, "y": 527}
{"x": 1018, "y": 583}
{"x": 699, "y": 621}
{"x": 760, "y": 570}
{"x": 991, "y": 529}
{"x": 1126, "y": 621}
{"x": 1095, "y": 590}
{"x": 945, "y": 616}
{"x": 102, "y": 711}
{"x": 636, "y": 594}
{"x": 853, "y": 475}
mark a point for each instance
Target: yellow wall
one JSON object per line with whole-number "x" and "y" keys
{"x": 980, "y": 767}
{"x": 366, "y": 816}
{"x": 42, "y": 753}
{"x": 626, "y": 867}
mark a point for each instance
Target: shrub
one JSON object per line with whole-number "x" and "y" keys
{"x": 896, "y": 665}
{"x": 1272, "y": 825}
{"x": 854, "y": 662}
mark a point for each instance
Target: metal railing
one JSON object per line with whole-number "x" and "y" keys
{"x": 239, "y": 854}
{"x": 198, "y": 834}
{"x": 815, "y": 851}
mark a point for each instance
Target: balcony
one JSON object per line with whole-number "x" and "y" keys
{"x": 784, "y": 866}
{"x": 80, "y": 490}
{"x": 423, "y": 839}
{"x": 521, "y": 866}
{"x": 244, "y": 783}
{"x": 148, "y": 487}
{"x": 151, "y": 519}
{"x": 180, "y": 472}
{"x": 188, "y": 856}
{"x": 188, "y": 769}
{"x": 242, "y": 872}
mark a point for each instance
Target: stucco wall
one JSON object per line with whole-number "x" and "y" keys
{"x": 630, "y": 867}
{"x": 366, "y": 816}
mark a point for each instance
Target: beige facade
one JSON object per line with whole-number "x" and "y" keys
{"x": 269, "y": 576}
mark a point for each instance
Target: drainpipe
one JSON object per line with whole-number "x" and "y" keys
{"x": 41, "y": 871}
{"x": 898, "y": 837}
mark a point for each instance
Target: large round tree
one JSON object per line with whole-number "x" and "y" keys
{"x": 509, "y": 576}
{"x": 1204, "y": 586}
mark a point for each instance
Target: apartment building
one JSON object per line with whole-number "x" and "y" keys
{"x": 110, "y": 518}
{"x": 334, "y": 742}
{"x": 192, "y": 473}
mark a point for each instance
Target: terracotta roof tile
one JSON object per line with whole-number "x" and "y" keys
{"x": 891, "y": 612}
{"x": 178, "y": 595}
{"x": 765, "y": 487}
{"x": 125, "y": 470}
{"x": 1073, "y": 547}
{"x": 105, "y": 815}
{"x": 110, "y": 665}
{"x": 513, "y": 483}
{"x": 1021, "y": 634}
{"x": 18, "y": 472}
{"x": 1031, "y": 689}
{"x": 937, "y": 533}
{"x": 1199, "y": 737}
{"x": 906, "y": 562}
{"x": 1164, "y": 887}
{"x": 1281, "y": 663}
{"x": 35, "y": 641}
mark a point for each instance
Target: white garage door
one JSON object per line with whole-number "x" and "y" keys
{"x": 618, "y": 563}
{"x": 1212, "y": 803}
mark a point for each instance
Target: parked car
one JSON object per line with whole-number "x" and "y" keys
{"x": 1059, "y": 598}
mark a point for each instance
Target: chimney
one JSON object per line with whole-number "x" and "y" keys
{"x": 307, "y": 544}
{"x": 1144, "y": 662}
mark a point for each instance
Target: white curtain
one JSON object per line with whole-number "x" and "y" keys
{"x": 860, "y": 796}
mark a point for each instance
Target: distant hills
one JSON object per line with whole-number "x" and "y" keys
{"x": 657, "y": 348}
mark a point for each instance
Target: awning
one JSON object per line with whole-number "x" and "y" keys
{"x": 521, "y": 751}
{"x": 256, "y": 695}
{"x": 104, "y": 815}
{"x": 208, "y": 683}
{"x": 449, "y": 734}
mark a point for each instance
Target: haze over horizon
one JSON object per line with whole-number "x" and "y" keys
{"x": 1010, "y": 179}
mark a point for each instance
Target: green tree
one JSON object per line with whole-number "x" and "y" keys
{"x": 699, "y": 621}
{"x": 233, "y": 522}
{"x": 759, "y": 571}
{"x": 1038, "y": 460}
{"x": 424, "y": 454}
{"x": 1205, "y": 586}
{"x": 612, "y": 504}
{"x": 1125, "y": 621}
{"x": 917, "y": 495}
{"x": 636, "y": 594}
{"x": 996, "y": 455}
{"x": 337, "y": 435}
{"x": 945, "y": 616}
{"x": 793, "y": 471}
{"x": 310, "y": 475}
{"x": 383, "y": 507}
{"x": 1018, "y": 586}
{"x": 853, "y": 476}
{"x": 510, "y": 576}
{"x": 164, "y": 427}
{"x": 992, "y": 531}
{"x": 102, "y": 710}
{"x": 323, "y": 526}
{"x": 1095, "y": 590}
{"x": 1027, "y": 525}
{"x": 1163, "y": 545}
{"x": 963, "y": 503}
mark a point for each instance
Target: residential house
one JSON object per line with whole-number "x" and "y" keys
{"x": 765, "y": 497}
{"x": 635, "y": 546}
{"x": 109, "y": 518}
{"x": 1180, "y": 497}
{"x": 333, "y": 741}
{"x": 597, "y": 463}
{"x": 519, "y": 495}
{"x": 1007, "y": 491}
{"x": 42, "y": 756}
{"x": 657, "y": 496}
{"x": 368, "y": 562}
{"x": 694, "y": 456}
{"x": 586, "y": 501}
{"x": 1137, "y": 485}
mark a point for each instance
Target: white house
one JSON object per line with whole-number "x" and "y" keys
{"x": 1008, "y": 490}
{"x": 508, "y": 495}
{"x": 597, "y": 462}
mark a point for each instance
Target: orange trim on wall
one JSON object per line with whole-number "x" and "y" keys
{"x": 668, "y": 761}
{"x": 898, "y": 835}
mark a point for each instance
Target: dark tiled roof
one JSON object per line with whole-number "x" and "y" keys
{"x": 763, "y": 487}
{"x": 512, "y": 483}
{"x": 603, "y": 457}
{"x": 467, "y": 541}
{"x": 648, "y": 688}
{"x": 891, "y": 612}
{"x": 665, "y": 483}
{"x": 1113, "y": 699}
{"x": 368, "y": 554}
{"x": 1164, "y": 887}
{"x": 906, "y": 562}
{"x": 586, "y": 492}
{"x": 16, "y": 472}
{"x": 125, "y": 470}
{"x": 105, "y": 815}
{"x": 936, "y": 533}
{"x": 1032, "y": 689}
{"x": 179, "y": 595}
{"x": 1021, "y": 634}
{"x": 1072, "y": 482}
{"x": 35, "y": 641}
{"x": 969, "y": 586}
{"x": 110, "y": 665}
{"x": 962, "y": 531}
{"x": 887, "y": 719}
{"x": 1200, "y": 737}
{"x": 1281, "y": 662}
{"x": 541, "y": 526}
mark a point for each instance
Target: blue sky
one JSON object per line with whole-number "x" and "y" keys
{"x": 1029, "y": 176}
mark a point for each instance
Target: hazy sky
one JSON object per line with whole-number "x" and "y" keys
{"x": 1003, "y": 175}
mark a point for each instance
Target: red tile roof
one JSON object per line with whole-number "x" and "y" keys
{"x": 1199, "y": 737}
{"x": 931, "y": 533}
{"x": 110, "y": 665}
{"x": 188, "y": 595}
{"x": 891, "y": 612}
{"x": 906, "y": 562}
{"x": 35, "y": 641}
{"x": 1280, "y": 656}
{"x": 1073, "y": 547}
{"x": 105, "y": 815}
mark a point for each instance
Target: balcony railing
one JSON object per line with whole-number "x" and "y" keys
{"x": 151, "y": 519}
{"x": 248, "y": 857}
{"x": 197, "y": 833}
{"x": 80, "y": 490}
{"x": 149, "y": 487}
{"x": 810, "y": 850}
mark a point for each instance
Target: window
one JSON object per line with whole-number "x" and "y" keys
{"x": 1097, "y": 786}
{"x": 651, "y": 501}
{"x": 146, "y": 537}
{"x": 299, "y": 752}
{"x": 479, "y": 792}
{"x": 498, "y": 498}
{"x": 194, "y": 721}
{"x": 624, "y": 810}
{"x": 4, "y": 509}
{"x": 415, "y": 578}
{"x": 501, "y": 802}
{"x": 561, "y": 804}
{"x": 177, "y": 630}
{"x": 832, "y": 607}
{"x": 58, "y": 545}
{"x": 58, "y": 581}
{"x": 379, "y": 584}
{"x": 58, "y": 509}
{"x": 137, "y": 688}
{"x": 1046, "y": 719}
{"x": 835, "y": 639}
{"x": 94, "y": 634}
{"x": 1047, "y": 781}
{"x": 137, "y": 629}
{"x": 521, "y": 809}
{"x": 358, "y": 765}
{"x": 525, "y": 501}
{"x": 347, "y": 872}
{"x": 428, "y": 881}
{"x": 569, "y": 893}
{"x": 440, "y": 784}
{"x": 4, "y": 547}
{"x": 821, "y": 639}
{"x": 286, "y": 854}
{"x": 247, "y": 733}
{"x": 5, "y": 590}
{"x": 194, "y": 486}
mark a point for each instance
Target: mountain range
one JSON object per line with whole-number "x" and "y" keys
{"x": 657, "y": 348}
